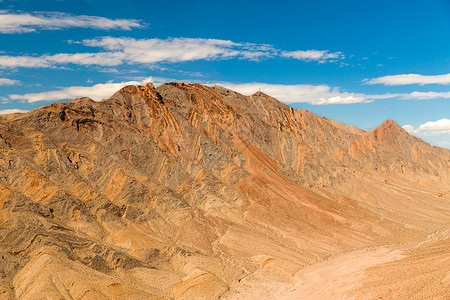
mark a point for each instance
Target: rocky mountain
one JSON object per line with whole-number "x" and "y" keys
{"x": 192, "y": 192}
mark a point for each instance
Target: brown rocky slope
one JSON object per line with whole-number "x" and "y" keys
{"x": 194, "y": 192}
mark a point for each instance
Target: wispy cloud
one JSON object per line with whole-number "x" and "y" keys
{"x": 445, "y": 144}
{"x": 404, "y": 79}
{"x": 324, "y": 94}
{"x": 11, "y": 111}
{"x": 438, "y": 127}
{"x": 314, "y": 94}
{"x": 408, "y": 128}
{"x": 424, "y": 95}
{"x": 117, "y": 51}
{"x": 96, "y": 92}
{"x": 411, "y": 96}
{"x": 179, "y": 49}
{"x": 49, "y": 61}
{"x": 99, "y": 59}
{"x": 7, "y": 61}
{"x": 11, "y": 22}
{"x": 7, "y": 81}
{"x": 313, "y": 55}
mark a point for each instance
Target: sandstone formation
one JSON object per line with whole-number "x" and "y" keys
{"x": 194, "y": 192}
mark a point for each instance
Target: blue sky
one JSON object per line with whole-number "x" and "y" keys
{"x": 358, "y": 62}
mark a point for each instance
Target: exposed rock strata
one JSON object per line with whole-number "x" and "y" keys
{"x": 187, "y": 191}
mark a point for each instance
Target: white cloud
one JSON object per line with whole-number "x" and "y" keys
{"x": 99, "y": 59}
{"x": 118, "y": 51}
{"x": 438, "y": 127}
{"x": 324, "y": 94}
{"x": 7, "y": 61}
{"x": 445, "y": 144}
{"x": 11, "y": 111}
{"x": 6, "y": 81}
{"x": 313, "y": 55}
{"x": 314, "y": 94}
{"x": 47, "y": 61}
{"x": 105, "y": 59}
{"x": 96, "y": 92}
{"x": 11, "y": 22}
{"x": 424, "y": 95}
{"x": 179, "y": 49}
{"x": 412, "y": 96}
{"x": 408, "y": 128}
{"x": 404, "y": 79}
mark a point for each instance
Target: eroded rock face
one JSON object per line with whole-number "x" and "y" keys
{"x": 187, "y": 191}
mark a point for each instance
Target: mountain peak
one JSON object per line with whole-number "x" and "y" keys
{"x": 260, "y": 94}
{"x": 389, "y": 123}
{"x": 389, "y": 129}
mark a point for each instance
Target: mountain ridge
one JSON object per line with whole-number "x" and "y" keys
{"x": 186, "y": 190}
{"x": 389, "y": 123}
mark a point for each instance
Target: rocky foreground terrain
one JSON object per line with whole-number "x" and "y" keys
{"x": 194, "y": 192}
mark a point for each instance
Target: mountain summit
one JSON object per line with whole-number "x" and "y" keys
{"x": 388, "y": 130}
{"x": 186, "y": 191}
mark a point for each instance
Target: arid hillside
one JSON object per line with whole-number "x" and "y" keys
{"x": 194, "y": 192}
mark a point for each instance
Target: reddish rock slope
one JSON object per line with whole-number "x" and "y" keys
{"x": 187, "y": 191}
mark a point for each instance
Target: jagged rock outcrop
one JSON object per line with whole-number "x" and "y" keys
{"x": 187, "y": 191}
